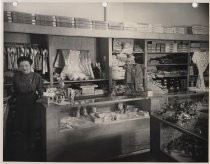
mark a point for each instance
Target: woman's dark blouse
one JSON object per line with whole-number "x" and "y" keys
{"x": 28, "y": 83}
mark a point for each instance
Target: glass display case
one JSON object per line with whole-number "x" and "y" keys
{"x": 177, "y": 136}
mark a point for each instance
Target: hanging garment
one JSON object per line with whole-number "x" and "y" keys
{"x": 38, "y": 60}
{"x": 201, "y": 59}
{"x": 45, "y": 61}
{"x": 139, "y": 77}
{"x": 59, "y": 60}
{"x": 73, "y": 70}
{"x": 9, "y": 58}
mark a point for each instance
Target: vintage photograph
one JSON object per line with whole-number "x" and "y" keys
{"x": 105, "y": 81}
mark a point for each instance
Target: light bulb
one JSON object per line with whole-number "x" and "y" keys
{"x": 15, "y": 3}
{"x": 194, "y": 4}
{"x": 104, "y": 4}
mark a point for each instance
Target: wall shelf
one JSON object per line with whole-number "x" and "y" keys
{"x": 48, "y": 30}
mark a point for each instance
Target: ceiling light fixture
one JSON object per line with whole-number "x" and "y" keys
{"x": 104, "y": 4}
{"x": 15, "y": 3}
{"x": 194, "y": 4}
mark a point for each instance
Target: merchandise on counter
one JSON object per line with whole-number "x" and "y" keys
{"x": 88, "y": 90}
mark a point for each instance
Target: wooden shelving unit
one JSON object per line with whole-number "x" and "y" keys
{"x": 99, "y": 43}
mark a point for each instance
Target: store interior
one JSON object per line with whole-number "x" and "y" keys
{"x": 122, "y": 81}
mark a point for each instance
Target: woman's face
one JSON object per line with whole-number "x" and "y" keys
{"x": 25, "y": 67}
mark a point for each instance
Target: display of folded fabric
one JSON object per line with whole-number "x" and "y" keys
{"x": 199, "y": 29}
{"x": 102, "y": 25}
{"x": 130, "y": 26}
{"x": 168, "y": 30}
{"x": 144, "y": 27}
{"x": 65, "y": 21}
{"x": 7, "y": 16}
{"x": 83, "y": 23}
{"x": 182, "y": 48}
{"x": 45, "y": 20}
{"x": 117, "y": 46}
{"x": 180, "y": 30}
{"x": 118, "y": 73}
{"x": 115, "y": 25}
{"x": 127, "y": 48}
{"x": 137, "y": 49}
{"x": 157, "y": 28}
{"x": 196, "y": 47}
{"x": 26, "y": 18}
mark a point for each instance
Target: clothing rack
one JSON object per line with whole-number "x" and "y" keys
{"x": 20, "y": 44}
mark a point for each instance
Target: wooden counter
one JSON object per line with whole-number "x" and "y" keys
{"x": 100, "y": 142}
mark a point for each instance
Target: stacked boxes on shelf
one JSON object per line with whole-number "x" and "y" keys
{"x": 45, "y": 20}
{"x": 19, "y": 17}
{"x": 199, "y": 29}
{"x": 83, "y": 23}
{"x": 65, "y": 21}
{"x": 116, "y": 25}
{"x": 102, "y": 25}
{"x": 7, "y": 16}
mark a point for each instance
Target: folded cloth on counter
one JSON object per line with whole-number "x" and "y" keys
{"x": 117, "y": 46}
{"x": 127, "y": 48}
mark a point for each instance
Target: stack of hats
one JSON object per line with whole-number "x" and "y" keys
{"x": 116, "y": 25}
{"x": 102, "y": 25}
{"x": 64, "y": 21}
{"x": 130, "y": 26}
{"x": 199, "y": 29}
{"x": 19, "y": 17}
{"x": 144, "y": 27}
{"x": 45, "y": 20}
{"x": 83, "y": 23}
{"x": 7, "y": 16}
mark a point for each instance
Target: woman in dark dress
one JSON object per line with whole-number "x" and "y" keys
{"x": 28, "y": 86}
